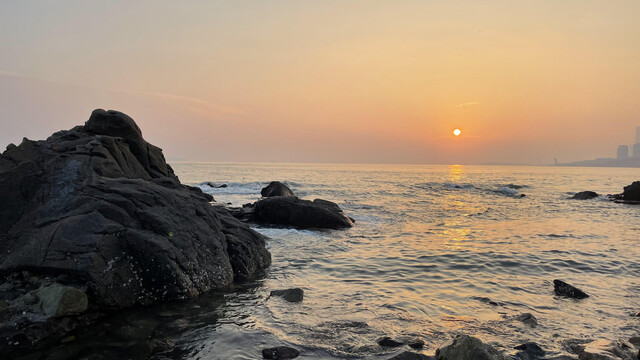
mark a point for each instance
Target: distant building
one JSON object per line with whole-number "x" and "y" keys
{"x": 637, "y": 134}
{"x": 623, "y": 152}
{"x": 636, "y": 150}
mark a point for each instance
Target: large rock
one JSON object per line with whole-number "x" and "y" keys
{"x": 276, "y": 188}
{"x": 303, "y": 214}
{"x": 464, "y": 347}
{"x": 100, "y": 205}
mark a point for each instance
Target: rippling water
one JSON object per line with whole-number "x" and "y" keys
{"x": 436, "y": 250}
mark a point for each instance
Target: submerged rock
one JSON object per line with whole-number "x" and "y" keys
{"x": 529, "y": 351}
{"x": 561, "y": 288}
{"x": 388, "y": 342}
{"x": 464, "y": 347}
{"x": 276, "y": 188}
{"x": 408, "y": 355}
{"x": 291, "y": 295}
{"x": 302, "y": 214}
{"x": 585, "y": 195}
{"x": 280, "y": 353}
{"x": 607, "y": 350}
{"x": 528, "y": 319}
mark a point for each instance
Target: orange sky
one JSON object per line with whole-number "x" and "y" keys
{"x": 331, "y": 81}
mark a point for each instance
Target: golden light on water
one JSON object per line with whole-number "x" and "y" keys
{"x": 457, "y": 132}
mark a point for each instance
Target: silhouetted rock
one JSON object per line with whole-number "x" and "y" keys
{"x": 280, "y": 353}
{"x": 100, "y": 208}
{"x": 464, "y": 347}
{"x": 529, "y": 351}
{"x": 276, "y": 188}
{"x": 561, "y": 288}
{"x": 303, "y": 214}
{"x": 214, "y": 185}
{"x": 415, "y": 344}
{"x": 632, "y": 192}
{"x": 291, "y": 295}
{"x": 388, "y": 342}
{"x": 408, "y": 355}
{"x": 585, "y": 195}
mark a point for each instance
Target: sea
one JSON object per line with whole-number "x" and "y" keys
{"x": 435, "y": 251}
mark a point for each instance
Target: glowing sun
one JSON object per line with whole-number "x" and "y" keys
{"x": 457, "y": 132}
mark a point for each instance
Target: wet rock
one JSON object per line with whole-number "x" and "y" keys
{"x": 529, "y": 351}
{"x": 415, "y": 344}
{"x": 280, "y": 353}
{"x": 607, "y": 350}
{"x": 561, "y": 288}
{"x": 585, "y": 195}
{"x": 408, "y": 355}
{"x": 276, "y": 188}
{"x": 488, "y": 301}
{"x": 388, "y": 342}
{"x": 528, "y": 319}
{"x": 291, "y": 295}
{"x": 59, "y": 300}
{"x": 464, "y": 347}
{"x": 100, "y": 204}
{"x": 302, "y": 214}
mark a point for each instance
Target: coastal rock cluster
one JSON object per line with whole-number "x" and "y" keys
{"x": 94, "y": 218}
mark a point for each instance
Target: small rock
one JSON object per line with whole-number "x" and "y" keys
{"x": 408, "y": 355}
{"x": 528, "y": 319}
{"x": 388, "y": 342}
{"x": 58, "y": 300}
{"x": 276, "y": 188}
{"x": 291, "y": 295}
{"x": 67, "y": 339}
{"x": 529, "y": 351}
{"x": 635, "y": 341}
{"x": 608, "y": 350}
{"x": 280, "y": 353}
{"x": 464, "y": 347}
{"x": 561, "y": 288}
{"x": 416, "y": 344}
{"x": 585, "y": 195}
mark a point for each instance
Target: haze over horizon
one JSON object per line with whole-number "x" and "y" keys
{"x": 350, "y": 82}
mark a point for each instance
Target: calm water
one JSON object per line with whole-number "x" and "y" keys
{"x": 431, "y": 244}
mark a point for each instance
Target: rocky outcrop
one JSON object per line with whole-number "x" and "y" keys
{"x": 298, "y": 213}
{"x": 464, "y": 347}
{"x": 632, "y": 192}
{"x": 606, "y": 350}
{"x": 276, "y": 188}
{"x": 585, "y": 195}
{"x": 561, "y": 288}
{"x": 99, "y": 205}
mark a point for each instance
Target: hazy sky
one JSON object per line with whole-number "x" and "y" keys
{"x": 331, "y": 81}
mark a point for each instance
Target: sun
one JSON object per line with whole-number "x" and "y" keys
{"x": 457, "y": 132}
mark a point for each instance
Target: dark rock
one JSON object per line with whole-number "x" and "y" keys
{"x": 280, "y": 353}
{"x": 632, "y": 192}
{"x": 464, "y": 347}
{"x": 416, "y": 344}
{"x": 303, "y": 214}
{"x": 408, "y": 355}
{"x": 276, "y": 188}
{"x": 215, "y": 186}
{"x": 388, "y": 342}
{"x": 529, "y": 351}
{"x": 561, "y": 288}
{"x": 607, "y": 350}
{"x": 528, "y": 319}
{"x": 291, "y": 295}
{"x": 59, "y": 300}
{"x": 585, "y": 195}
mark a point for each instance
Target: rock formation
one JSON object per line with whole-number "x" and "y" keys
{"x": 276, "y": 188}
{"x": 99, "y": 205}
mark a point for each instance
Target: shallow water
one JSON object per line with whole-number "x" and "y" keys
{"x": 436, "y": 250}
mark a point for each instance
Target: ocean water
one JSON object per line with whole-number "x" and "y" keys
{"x": 436, "y": 251}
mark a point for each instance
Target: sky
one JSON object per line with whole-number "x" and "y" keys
{"x": 331, "y": 81}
